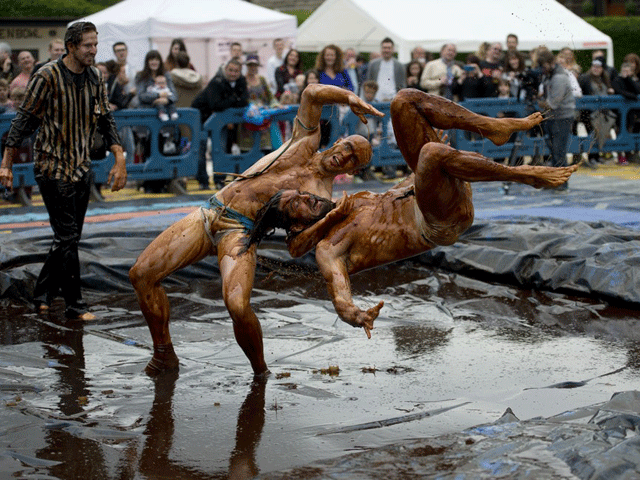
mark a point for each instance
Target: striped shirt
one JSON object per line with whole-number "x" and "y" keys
{"x": 67, "y": 108}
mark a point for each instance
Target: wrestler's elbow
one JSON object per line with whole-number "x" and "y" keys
{"x": 328, "y": 261}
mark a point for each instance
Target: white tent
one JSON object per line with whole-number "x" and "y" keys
{"x": 362, "y": 24}
{"x": 207, "y": 26}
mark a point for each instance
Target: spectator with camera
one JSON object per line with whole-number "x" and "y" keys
{"x": 471, "y": 82}
{"x": 558, "y": 99}
{"x": 514, "y": 74}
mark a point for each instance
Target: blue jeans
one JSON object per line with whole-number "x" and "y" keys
{"x": 559, "y": 130}
{"x": 67, "y": 205}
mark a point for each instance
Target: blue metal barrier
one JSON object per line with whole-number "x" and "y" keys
{"x": 531, "y": 143}
{"x": 156, "y": 167}
{"x": 159, "y": 166}
{"x": 386, "y": 153}
{"x": 224, "y": 162}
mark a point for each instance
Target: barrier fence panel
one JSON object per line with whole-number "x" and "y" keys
{"x": 160, "y": 160}
{"x": 156, "y": 165}
{"x": 226, "y": 162}
{"x": 379, "y": 131}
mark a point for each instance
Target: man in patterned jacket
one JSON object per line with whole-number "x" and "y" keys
{"x": 67, "y": 101}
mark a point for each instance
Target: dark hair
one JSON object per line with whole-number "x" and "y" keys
{"x": 75, "y": 32}
{"x": 270, "y": 217}
{"x": 182, "y": 60}
{"x": 234, "y": 61}
{"x": 370, "y": 84}
{"x": 286, "y": 57}
{"x": 414, "y": 62}
{"x": 146, "y": 72}
{"x": 507, "y": 65}
{"x": 545, "y": 56}
{"x": 172, "y": 60}
{"x": 118, "y": 44}
{"x": 180, "y": 43}
{"x": 633, "y": 58}
{"x": 473, "y": 58}
{"x": 306, "y": 77}
{"x": 387, "y": 40}
{"x": 113, "y": 67}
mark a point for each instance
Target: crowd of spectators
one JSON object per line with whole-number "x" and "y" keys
{"x": 173, "y": 82}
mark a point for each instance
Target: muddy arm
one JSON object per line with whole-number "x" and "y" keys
{"x": 315, "y": 96}
{"x": 332, "y": 261}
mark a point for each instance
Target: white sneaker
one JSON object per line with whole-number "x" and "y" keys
{"x": 164, "y": 117}
{"x": 174, "y": 116}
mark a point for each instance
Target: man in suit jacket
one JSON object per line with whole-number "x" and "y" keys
{"x": 388, "y": 72}
{"x": 439, "y": 75}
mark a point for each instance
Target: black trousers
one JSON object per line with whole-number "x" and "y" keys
{"x": 67, "y": 205}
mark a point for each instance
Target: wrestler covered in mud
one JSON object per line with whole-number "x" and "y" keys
{"x": 223, "y": 226}
{"x": 431, "y": 207}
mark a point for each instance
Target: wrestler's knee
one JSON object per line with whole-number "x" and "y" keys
{"x": 138, "y": 275}
{"x": 402, "y": 99}
{"x": 434, "y": 152}
{"x": 238, "y": 308}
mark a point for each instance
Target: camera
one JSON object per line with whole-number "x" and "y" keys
{"x": 529, "y": 82}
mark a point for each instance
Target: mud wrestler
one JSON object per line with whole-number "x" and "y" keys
{"x": 222, "y": 227}
{"x": 431, "y": 207}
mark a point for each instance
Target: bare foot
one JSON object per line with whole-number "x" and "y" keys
{"x": 508, "y": 126}
{"x": 164, "y": 360}
{"x": 541, "y": 177}
{"x": 86, "y": 316}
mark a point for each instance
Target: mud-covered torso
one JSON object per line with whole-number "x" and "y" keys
{"x": 388, "y": 227}
{"x": 291, "y": 167}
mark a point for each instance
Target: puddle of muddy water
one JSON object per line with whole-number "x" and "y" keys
{"x": 448, "y": 353}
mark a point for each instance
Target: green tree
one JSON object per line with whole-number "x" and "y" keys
{"x": 52, "y": 8}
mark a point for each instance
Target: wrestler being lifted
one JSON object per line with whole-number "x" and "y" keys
{"x": 222, "y": 227}
{"x": 432, "y": 206}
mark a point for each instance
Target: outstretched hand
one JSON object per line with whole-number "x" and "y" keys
{"x": 365, "y": 319}
{"x": 362, "y": 108}
{"x": 344, "y": 206}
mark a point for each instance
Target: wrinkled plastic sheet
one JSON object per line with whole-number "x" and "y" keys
{"x": 597, "y": 259}
{"x": 574, "y": 444}
{"x": 600, "y": 442}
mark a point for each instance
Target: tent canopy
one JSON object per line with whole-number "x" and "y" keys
{"x": 362, "y": 24}
{"x": 207, "y": 27}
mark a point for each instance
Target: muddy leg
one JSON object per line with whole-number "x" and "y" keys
{"x": 440, "y": 164}
{"x": 238, "y": 270}
{"x": 415, "y": 114}
{"x": 180, "y": 245}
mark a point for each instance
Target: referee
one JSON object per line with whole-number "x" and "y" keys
{"x": 66, "y": 102}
